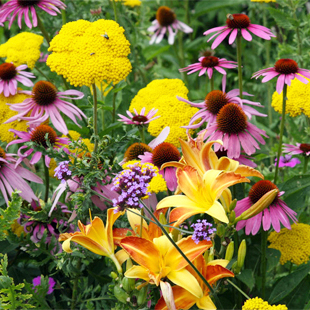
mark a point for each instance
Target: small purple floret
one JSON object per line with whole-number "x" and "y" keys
{"x": 202, "y": 231}
{"x": 62, "y": 171}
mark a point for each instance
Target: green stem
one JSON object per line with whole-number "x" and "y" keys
{"x": 182, "y": 60}
{"x": 42, "y": 73}
{"x": 239, "y": 63}
{"x": 306, "y": 160}
{"x": 182, "y": 254}
{"x": 47, "y": 180}
{"x": 237, "y": 288}
{"x": 212, "y": 83}
{"x": 281, "y": 132}
{"x": 264, "y": 262}
{"x": 114, "y": 111}
{"x": 75, "y": 285}
{"x": 63, "y": 16}
{"x": 117, "y": 264}
{"x": 95, "y": 117}
{"x": 207, "y": 84}
{"x": 141, "y": 223}
{"x": 115, "y": 11}
{"x": 141, "y": 130}
{"x": 43, "y": 30}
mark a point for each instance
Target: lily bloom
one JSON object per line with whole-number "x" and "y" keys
{"x": 160, "y": 259}
{"x": 96, "y": 237}
{"x": 201, "y": 194}
{"x": 212, "y": 271}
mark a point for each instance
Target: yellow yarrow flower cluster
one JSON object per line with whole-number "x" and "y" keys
{"x": 85, "y": 52}
{"x": 258, "y": 304}
{"x": 293, "y": 244}
{"x": 266, "y": 1}
{"x": 6, "y": 113}
{"x": 24, "y": 48}
{"x": 298, "y": 99}
{"x": 161, "y": 95}
{"x": 131, "y": 3}
{"x": 157, "y": 184}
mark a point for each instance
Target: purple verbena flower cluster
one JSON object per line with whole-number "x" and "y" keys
{"x": 62, "y": 171}
{"x": 131, "y": 184}
{"x": 202, "y": 231}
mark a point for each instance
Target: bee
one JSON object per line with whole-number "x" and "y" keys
{"x": 105, "y": 36}
{"x": 230, "y": 16}
{"x": 91, "y": 54}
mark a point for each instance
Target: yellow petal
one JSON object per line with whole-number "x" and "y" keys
{"x": 189, "y": 181}
{"x": 177, "y": 201}
{"x": 226, "y": 199}
{"x": 138, "y": 272}
{"x": 207, "y": 156}
{"x": 218, "y": 212}
{"x": 180, "y": 214}
{"x": 121, "y": 256}
{"x": 205, "y": 303}
{"x": 186, "y": 280}
{"x": 221, "y": 262}
{"x": 163, "y": 244}
{"x": 227, "y": 164}
{"x": 246, "y": 171}
{"x": 111, "y": 218}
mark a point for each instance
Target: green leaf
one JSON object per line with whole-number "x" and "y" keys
{"x": 300, "y": 296}
{"x": 247, "y": 277}
{"x": 287, "y": 284}
{"x": 273, "y": 257}
{"x": 152, "y": 51}
{"x": 281, "y": 18}
{"x": 204, "y": 7}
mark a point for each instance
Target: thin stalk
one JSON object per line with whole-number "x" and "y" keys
{"x": 115, "y": 11}
{"x": 182, "y": 60}
{"x": 281, "y": 132}
{"x": 212, "y": 83}
{"x": 306, "y": 160}
{"x": 63, "y": 16}
{"x": 141, "y": 131}
{"x": 40, "y": 71}
{"x": 239, "y": 63}
{"x": 47, "y": 180}
{"x": 264, "y": 262}
{"x": 95, "y": 117}
{"x": 237, "y": 288}
{"x": 207, "y": 84}
{"x": 182, "y": 254}
{"x": 43, "y": 30}
{"x": 116, "y": 263}
{"x": 141, "y": 223}
{"x": 114, "y": 111}
{"x": 75, "y": 285}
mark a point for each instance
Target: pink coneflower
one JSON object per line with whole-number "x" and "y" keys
{"x": 208, "y": 63}
{"x": 12, "y": 178}
{"x": 13, "y": 8}
{"x": 233, "y": 128}
{"x": 299, "y": 148}
{"x": 46, "y": 102}
{"x": 10, "y": 75}
{"x": 278, "y": 212}
{"x": 37, "y": 135}
{"x": 214, "y": 102}
{"x": 139, "y": 119}
{"x": 165, "y": 21}
{"x": 234, "y": 23}
{"x": 287, "y": 69}
{"x": 287, "y": 161}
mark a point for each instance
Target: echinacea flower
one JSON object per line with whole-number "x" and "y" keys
{"x": 277, "y": 212}
{"x": 158, "y": 259}
{"x": 299, "y": 148}
{"x": 208, "y": 63}
{"x": 212, "y": 272}
{"x": 233, "y": 128}
{"x": 214, "y": 101}
{"x": 165, "y": 21}
{"x": 12, "y": 177}
{"x": 235, "y": 23}
{"x": 13, "y": 8}
{"x": 287, "y": 161}
{"x": 51, "y": 283}
{"x": 10, "y": 75}
{"x": 138, "y": 119}
{"x": 46, "y": 102}
{"x": 37, "y": 135}
{"x": 287, "y": 69}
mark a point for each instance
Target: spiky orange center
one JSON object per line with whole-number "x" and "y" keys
{"x": 238, "y": 21}
{"x": 165, "y": 152}
{"x": 140, "y": 118}
{"x": 135, "y": 150}
{"x": 231, "y": 119}
{"x": 7, "y": 71}
{"x": 44, "y": 93}
{"x": 39, "y": 133}
{"x": 210, "y": 62}
{"x": 259, "y": 189}
{"x": 25, "y": 3}
{"x": 305, "y": 147}
{"x": 215, "y": 100}
{"x": 286, "y": 66}
{"x": 165, "y": 16}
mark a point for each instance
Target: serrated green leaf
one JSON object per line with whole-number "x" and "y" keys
{"x": 247, "y": 277}
{"x": 281, "y": 18}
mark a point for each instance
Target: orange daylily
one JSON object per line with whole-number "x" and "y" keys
{"x": 160, "y": 259}
{"x": 96, "y": 237}
{"x": 201, "y": 194}
{"x": 212, "y": 271}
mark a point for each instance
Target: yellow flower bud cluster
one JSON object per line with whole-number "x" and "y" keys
{"x": 85, "y": 52}
{"x": 293, "y": 244}
{"x": 258, "y": 304}
{"x": 24, "y": 48}
{"x": 131, "y": 3}
{"x": 298, "y": 99}
{"x": 162, "y": 95}
{"x": 266, "y": 1}
{"x": 6, "y": 113}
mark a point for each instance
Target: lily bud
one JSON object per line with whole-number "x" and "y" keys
{"x": 230, "y": 251}
{"x": 241, "y": 254}
{"x": 232, "y": 216}
{"x": 142, "y": 295}
{"x": 113, "y": 275}
{"x": 120, "y": 294}
{"x": 233, "y": 205}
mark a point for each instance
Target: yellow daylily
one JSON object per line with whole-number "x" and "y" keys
{"x": 160, "y": 259}
{"x": 96, "y": 237}
{"x": 201, "y": 194}
{"x": 212, "y": 271}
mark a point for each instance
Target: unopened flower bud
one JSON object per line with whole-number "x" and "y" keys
{"x": 241, "y": 254}
{"x": 120, "y": 294}
{"x": 232, "y": 216}
{"x": 230, "y": 251}
{"x": 233, "y": 205}
{"x": 113, "y": 275}
{"x": 142, "y": 295}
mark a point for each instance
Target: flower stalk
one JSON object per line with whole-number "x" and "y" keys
{"x": 264, "y": 261}
{"x": 47, "y": 180}
{"x": 239, "y": 63}
{"x": 43, "y": 30}
{"x": 95, "y": 117}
